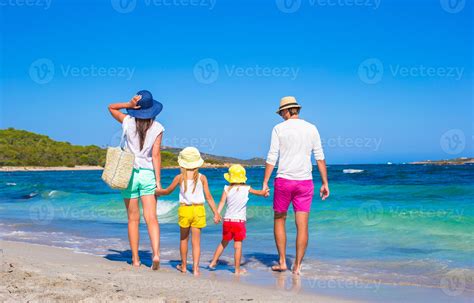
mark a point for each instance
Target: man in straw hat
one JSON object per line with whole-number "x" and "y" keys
{"x": 293, "y": 142}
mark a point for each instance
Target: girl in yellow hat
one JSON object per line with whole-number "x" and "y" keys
{"x": 194, "y": 190}
{"x": 236, "y": 195}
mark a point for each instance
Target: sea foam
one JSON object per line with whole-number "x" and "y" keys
{"x": 352, "y": 171}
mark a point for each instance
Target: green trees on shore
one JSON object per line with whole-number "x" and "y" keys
{"x": 23, "y": 148}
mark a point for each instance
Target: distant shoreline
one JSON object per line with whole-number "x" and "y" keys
{"x": 80, "y": 168}
{"x": 47, "y": 168}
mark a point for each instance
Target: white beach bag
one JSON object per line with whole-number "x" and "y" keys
{"x": 118, "y": 166}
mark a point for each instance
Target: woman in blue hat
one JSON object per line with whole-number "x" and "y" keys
{"x": 143, "y": 138}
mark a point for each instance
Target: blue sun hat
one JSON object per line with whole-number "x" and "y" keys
{"x": 149, "y": 108}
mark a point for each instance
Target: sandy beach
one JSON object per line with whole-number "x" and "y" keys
{"x": 38, "y": 273}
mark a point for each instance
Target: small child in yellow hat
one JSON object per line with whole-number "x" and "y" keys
{"x": 236, "y": 194}
{"x": 194, "y": 191}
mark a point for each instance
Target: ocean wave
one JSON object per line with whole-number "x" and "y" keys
{"x": 10, "y": 184}
{"x": 167, "y": 210}
{"x": 29, "y": 196}
{"x": 352, "y": 171}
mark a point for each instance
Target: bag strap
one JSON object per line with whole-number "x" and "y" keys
{"x": 122, "y": 139}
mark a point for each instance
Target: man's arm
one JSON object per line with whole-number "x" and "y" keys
{"x": 324, "y": 191}
{"x": 272, "y": 159}
{"x": 319, "y": 156}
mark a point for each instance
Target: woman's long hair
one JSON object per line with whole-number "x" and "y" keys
{"x": 143, "y": 125}
{"x": 184, "y": 178}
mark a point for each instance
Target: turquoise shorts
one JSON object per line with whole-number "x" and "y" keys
{"x": 142, "y": 183}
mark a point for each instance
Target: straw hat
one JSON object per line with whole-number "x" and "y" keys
{"x": 288, "y": 102}
{"x": 190, "y": 158}
{"x": 236, "y": 174}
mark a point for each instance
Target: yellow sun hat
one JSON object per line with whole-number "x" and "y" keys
{"x": 236, "y": 174}
{"x": 190, "y": 158}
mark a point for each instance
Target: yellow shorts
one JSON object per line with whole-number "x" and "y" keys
{"x": 193, "y": 215}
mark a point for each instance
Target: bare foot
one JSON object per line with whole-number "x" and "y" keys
{"x": 212, "y": 266}
{"x": 156, "y": 263}
{"x": 296, "y": 270}
{"x": 279, "y": 268}
{"x": 136, "y": 263}
{"x": 196, "y": 272}
{"x": 241, "y": 271}
{"x": 181, "y": 268}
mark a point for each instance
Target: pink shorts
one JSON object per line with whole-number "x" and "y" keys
{"x": 298, "y": 192}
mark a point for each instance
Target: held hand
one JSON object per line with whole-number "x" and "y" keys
{"x": 267, "y": 192}
{"x": 324, "y": 192}
{"x": 160, "y": 192}
{"x": 217, "y": 218}
{"x": 133, "y": 103}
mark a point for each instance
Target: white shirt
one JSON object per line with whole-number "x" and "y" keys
{"x": 237, "y": 199}
{"x": 189, "y": 197}
{"x": 143, "y": 158}
{"x": 292, "y": 143}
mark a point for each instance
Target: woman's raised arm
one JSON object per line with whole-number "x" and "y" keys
{"x": 116, "y": 107}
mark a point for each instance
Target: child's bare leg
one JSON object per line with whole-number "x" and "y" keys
{"x": 196, "y": 240}
{"x": 238, "y": 257}
{"x": 183, "y": 248}
{"x": 218, "y": 253}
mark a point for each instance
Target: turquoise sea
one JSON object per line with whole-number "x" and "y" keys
{"x": 397, "y": 232}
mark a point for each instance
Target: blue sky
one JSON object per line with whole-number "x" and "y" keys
{"x": 384, "y": 80}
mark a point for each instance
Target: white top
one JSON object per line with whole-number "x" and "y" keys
{"x": 143, "y": 158}
{"x": 237, "y": 200}
{"x": 292, "y": 143}
{"x": 190, "y": 198}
